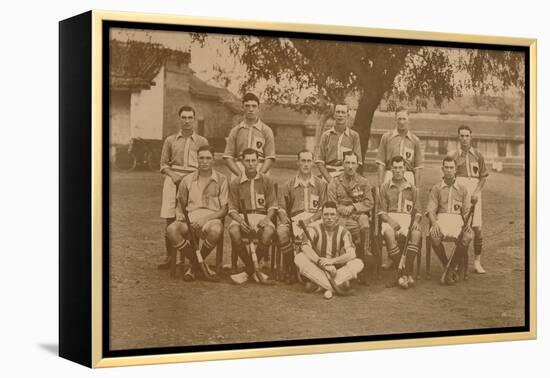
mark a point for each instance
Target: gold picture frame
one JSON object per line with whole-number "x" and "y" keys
{"x": 83, "y": 132}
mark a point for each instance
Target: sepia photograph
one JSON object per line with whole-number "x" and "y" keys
{"x": 284, "y": 189}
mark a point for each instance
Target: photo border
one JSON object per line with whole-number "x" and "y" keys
{"x": 103, "y": 357}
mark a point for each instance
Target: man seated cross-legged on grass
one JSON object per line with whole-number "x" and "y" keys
{"x": 328, "y": 255}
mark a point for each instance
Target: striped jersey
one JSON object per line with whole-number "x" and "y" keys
{"x": 330, "y": 244}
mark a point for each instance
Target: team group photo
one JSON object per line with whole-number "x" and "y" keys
{"x": 273, "y": 189}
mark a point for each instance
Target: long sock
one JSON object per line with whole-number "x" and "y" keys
{"x": 440, "y": 253}
{"x": 245, "y": 257}
{"x": 262, "y": 251}
{"x": 206, "y": 249}
{"x": 395, "y": 255}
{"x": 180, "y": 247}
{"x": 412, "y": 251}
{"x": 478, "y": 245}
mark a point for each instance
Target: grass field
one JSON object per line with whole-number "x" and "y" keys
{"x": 148, "y": 309}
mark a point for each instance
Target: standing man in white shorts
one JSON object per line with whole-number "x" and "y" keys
{"x": 250, "y": 133}
{"x": 204, "y": 195}
{"x": 178, "y": 159}
{"x": 472, "y": 173}
{"x": 398, "y": 199}
{"x": 256, "y": 192}
{"x": 448, "y": 206}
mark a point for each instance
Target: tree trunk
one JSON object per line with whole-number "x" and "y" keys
{"x": 363, "y": 118}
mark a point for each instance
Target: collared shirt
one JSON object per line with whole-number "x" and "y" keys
{"x": 259, "y": 137}
{"x": 398, "y": 198}
{"x": 408, "y": 146}
{"x": 213, "y": 196}
{"x": 453, "y": 199}
{"x": 469, "y": 163}
{"x": 308, "y": 196}
{"x": 333, "y": 145}
{"x": 330, "y": 244}
{"x": 356, "y": 192}
{"x": 180, "y": 153}
{"x": 258, "y": 194}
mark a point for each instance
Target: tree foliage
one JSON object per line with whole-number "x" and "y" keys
{"x": 311, "y": 73}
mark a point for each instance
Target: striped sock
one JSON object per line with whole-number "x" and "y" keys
{"x": 412, "y": 251}
{"x": 206, "y": 249}
{"x": 395, "y": 254}
{"x": 286, "y": 248}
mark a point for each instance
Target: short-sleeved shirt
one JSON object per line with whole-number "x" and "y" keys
{"x": 408, "y": 146}
{"x": 180, "y": 153}
{"x": 304, "y": 196}
{"x": 213, "y": 196}
{"x": 356, "y": 192}
{"x": 258, "y": 137}
{"x": 258, "y": 194}
{"x": 332, "y": 146}
{"x": 453, "y": 199}
{"x": 469, "y": 163}
{"x": 330, "y": 244}
{"x": 398, "y": 197}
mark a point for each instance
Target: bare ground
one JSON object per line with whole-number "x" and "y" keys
{"x": 148, "y": 309}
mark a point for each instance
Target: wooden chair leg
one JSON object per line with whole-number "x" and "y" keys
{"x": 234, "y": 259}
{"x": 418, "y": 261}
{"x": 219, "y": 255}
{"x": 428, "y": 256}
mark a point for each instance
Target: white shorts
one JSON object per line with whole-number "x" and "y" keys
{"x": 409, "y": 176}
{"x": 471, "y": 183}
{"x": 199, "y": 213}
{"x": 254, "y": 219}
{"x": 402, "y": 219}
{"x": 169, "y": 193}
{"x": 450, "y": 224}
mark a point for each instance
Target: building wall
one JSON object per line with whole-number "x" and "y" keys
{"x": 289, "y": 139}
{"x": 119, "y": 117}
{"x": 146, "y": 110}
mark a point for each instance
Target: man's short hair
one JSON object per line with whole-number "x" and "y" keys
{"x": 186, "y": 108}
{"x": 448, "y": 159}
{"x": 251, "y": 97}
{"x": 464, "y": 127}
{"x": 340, "y": 103}
{"x": 249, "y": 151}
{"x": 305, "y": 150}
{"x": 401, "y": 109}
{"x": 397, "y": 159}
{"x": 330, "y": 205}
{"x": 206, "y": 148}
{"x": 350, "y": 153}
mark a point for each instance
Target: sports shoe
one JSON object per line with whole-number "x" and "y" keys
{"x": 403, "y": 282}
{"x": 477, "y": 266}
{"x": 189, "y": 275}
{"x": 410, "y": 281}
{"x": 239, "y": 278}
{"x": 311, "y": 287}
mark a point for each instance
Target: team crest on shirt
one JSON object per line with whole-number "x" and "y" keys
{"x": 314, "y": 202}
{"x": 258, "y": 143}
{"x": 260, "y": 200}
{"x": 408, "y": 206}
{"x": 456, "y": 206}
{"x": 357, "y": 193}
{"x": 409, "y": 153}
{"x": 474, "y": 167}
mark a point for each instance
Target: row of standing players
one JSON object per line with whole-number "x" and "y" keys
{"x": 331, "y": 247}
